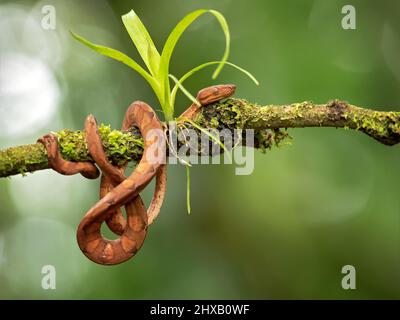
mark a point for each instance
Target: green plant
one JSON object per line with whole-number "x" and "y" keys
{"x": 158, "y": 75}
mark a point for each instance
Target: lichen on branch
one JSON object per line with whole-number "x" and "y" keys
{"x": 120, "y": 147}
{"x": 267, "y": 121}
{"x": 238, "y": 113}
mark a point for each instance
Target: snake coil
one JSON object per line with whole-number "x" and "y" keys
{"x": 116, "y": 190}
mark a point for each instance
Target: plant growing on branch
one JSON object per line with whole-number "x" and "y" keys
{"x": 157, "y": 75}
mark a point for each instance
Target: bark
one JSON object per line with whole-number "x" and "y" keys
{"x": 267, "y": 122}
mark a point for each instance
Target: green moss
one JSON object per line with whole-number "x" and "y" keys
{"x": 121, "y": 147}
{"x": 382, "y": 124}
{"x": 266, "y": 139}
{"x": 233, "y": 114}
{"x": 72, "y": 145}
{"x": 222, "y": 115}
{"x": 19, "y": 160}
{"x": 22, "y": 170}
{"x": 214, "y": 123}
{"x": 298, "y": 109}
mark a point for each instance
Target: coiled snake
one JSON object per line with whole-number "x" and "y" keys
{"x": 116, "y": 190}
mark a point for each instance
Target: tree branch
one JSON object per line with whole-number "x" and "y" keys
{"x": 232, "y": 114}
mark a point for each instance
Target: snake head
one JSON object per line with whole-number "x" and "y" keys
{"x": 215, "y": 93}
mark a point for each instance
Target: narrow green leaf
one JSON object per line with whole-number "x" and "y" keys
{"x": 119, "y": 56}
{"x": 167, "y": 52}
{"x": 225, "y": 29}
{"x": 142, "y": 40}
{"x": 202, "y": 66}
{"x": 167, "y": 107}
{"x": 173, "y": 39}
{"x": 153, "y": 61}
{"x": 184, "y": 90}
{"x": 188, "y": 189}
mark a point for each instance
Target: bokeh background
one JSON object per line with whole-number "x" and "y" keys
{"x": 328, "y": 200}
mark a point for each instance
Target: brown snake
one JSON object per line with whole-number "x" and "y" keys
{"x": 116, "y": 190}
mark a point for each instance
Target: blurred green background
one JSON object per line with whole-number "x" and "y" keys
{"x": 328, "y": 200}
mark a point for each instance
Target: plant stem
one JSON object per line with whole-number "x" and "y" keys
{"x": 232, "y": 114}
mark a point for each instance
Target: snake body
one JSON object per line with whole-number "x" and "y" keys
{"x": 116, "y": 190}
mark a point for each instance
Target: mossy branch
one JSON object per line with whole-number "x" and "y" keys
{"x": 267, "y": 121}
